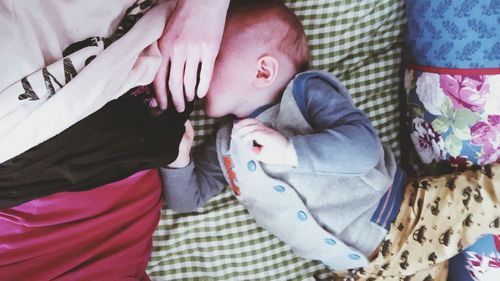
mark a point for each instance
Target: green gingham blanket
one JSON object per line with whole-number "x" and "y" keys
{"x": 361, "y": 43}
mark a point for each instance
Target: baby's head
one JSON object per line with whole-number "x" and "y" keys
{"x": 262, "y": 48}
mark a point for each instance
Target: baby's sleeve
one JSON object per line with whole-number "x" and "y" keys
{"x": 344, "y": 140}
{"x": 189, "y": 188}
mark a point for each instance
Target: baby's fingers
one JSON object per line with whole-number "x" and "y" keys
{"x": 242, "y": 132}
{"x": 189, "y": 130}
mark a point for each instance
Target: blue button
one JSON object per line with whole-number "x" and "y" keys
{"x": 279, "y": 188}
{"x": 354, "y": 257}
{"x": 302, "y": 216}
{"x": 330, "y": 241}
{"x": 251, "y": 165}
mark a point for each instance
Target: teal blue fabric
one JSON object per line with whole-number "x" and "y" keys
{"x": 454, "y": 34}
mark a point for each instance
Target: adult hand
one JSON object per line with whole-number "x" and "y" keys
{"x": 189, "y": 45}
{"x": 269, "y": 146}
{"x": 183, "y": 158}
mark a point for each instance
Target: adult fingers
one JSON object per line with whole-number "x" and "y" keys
{"x": 160, "y": 84}
{"x": 190, "y": 75}
{"x": 175, "y": 81}
{"x": 206, "y": 72}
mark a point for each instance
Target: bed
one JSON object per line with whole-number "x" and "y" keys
{"x": 360, "y": 42}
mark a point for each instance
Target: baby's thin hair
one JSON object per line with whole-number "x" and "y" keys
{"x": 277, "y": 24}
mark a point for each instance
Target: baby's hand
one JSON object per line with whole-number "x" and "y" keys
{"x": 270, "y": 146}
{"x": 183, "y": 158}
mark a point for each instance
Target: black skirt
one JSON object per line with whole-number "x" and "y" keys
{"x": 123, "y": 137}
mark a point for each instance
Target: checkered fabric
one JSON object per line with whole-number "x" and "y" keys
{"x": 361, "y": 43}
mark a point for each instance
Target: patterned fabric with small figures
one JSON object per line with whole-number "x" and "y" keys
{"x": 453, "y": 89}
{"x": 439, "y": 217}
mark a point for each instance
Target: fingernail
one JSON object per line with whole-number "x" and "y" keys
{"x": 153, "y": 103}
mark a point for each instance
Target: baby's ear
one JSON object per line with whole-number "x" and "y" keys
{"x": 267, "y": 71}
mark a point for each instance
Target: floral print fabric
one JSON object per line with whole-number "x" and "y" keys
{"x": 454, "y": 118}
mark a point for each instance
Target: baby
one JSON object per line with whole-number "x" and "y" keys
{"x": 308, "y": 165}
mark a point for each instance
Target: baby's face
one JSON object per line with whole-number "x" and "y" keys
{"x": 232, "y": 81}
